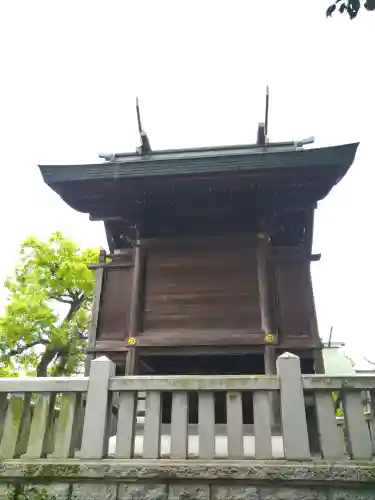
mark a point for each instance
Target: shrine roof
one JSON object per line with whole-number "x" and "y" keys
{"x": 200, "y": 189}
{"x": 195, "y": 162}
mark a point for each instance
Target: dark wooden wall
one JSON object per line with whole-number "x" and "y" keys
{"x": 113, "y": 322}
{"x": 202, "y": 291}
{"x": 202, "y": 283}
{"x": 295, "y": 314}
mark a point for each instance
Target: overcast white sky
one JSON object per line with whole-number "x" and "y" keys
{"x": 70, "y": 72}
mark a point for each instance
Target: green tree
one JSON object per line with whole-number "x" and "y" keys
{"x": 44, "y": 327}
{"x": 350, "y": 7}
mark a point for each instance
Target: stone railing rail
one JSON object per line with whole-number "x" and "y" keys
{"x": 71, "y": 417}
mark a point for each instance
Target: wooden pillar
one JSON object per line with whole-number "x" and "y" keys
{"x": 270, "y": 360}
{"x": 131, "y": 362}
{"x": 93, "y": 329}
{"x": 311, "y": 410}
{"x": 266, "y": 303}
{"x": 267, "y": 320}
{"x": 317, "y": 351}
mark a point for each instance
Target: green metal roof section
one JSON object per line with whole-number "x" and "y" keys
{"x": 202, "y": 161}
{"x": 341, "y": 361}
{"x": 336, "y": 362}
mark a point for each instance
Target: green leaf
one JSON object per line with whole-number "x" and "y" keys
{"x": 331, "y": 9}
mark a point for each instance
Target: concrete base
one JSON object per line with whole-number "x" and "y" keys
{"x": 113, "y": 479}
{"x": 180, "y": 491}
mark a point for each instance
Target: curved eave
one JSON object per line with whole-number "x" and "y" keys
{"x": 332, "y": 163}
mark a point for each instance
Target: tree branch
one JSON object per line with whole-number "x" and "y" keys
{"x": 61, "y": 366}
{"x": 21, "y": 349}
{"x": 74, "y": 306}
{"x": 61, "y": 351}
{"x": 61, "y": 299}
{"x": 48, "y": 357}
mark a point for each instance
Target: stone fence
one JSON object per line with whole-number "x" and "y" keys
{"x": 72, "y": 417}
{"x": 108, "y": 436}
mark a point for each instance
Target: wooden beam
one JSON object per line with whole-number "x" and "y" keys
{"x": 202, "y": 350}
{"x": 108, "y": 346}
{"x": 278, "y": 254}
{"x": 267, "y": 317}
{"x": 182, "y": 338}
{"x": 120, "y": 347}
{"x": 296, "y": 345}
{"x": 106, "y": 265}
{"x": 131, "y": 360}
{"x": 264, "y": 285}
{"x": 115, "y": 218}
{"x": 136, "y": 291}
{"x": 300, "y": 257}
{"x": 154, "y": 342}
{"x": 95, "y": 311}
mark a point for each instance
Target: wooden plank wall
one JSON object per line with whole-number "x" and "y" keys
{"x": 115, "y": 303}
{"x": 206, "y": 284}
{"x": 202, "y": 283}
{"x": 295, "y": 315}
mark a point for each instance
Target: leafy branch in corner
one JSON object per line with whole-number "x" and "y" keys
{"x": 350, "y": 7}
{"x": 44, "y": 327}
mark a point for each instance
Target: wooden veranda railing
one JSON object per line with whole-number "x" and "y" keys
{"x": 74, "y": 417}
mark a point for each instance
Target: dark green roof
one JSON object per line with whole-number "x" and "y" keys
{"x": 195, "y": 191}
{"x": 202, "y": 161}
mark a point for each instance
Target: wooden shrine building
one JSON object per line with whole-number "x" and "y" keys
{"x": 210, "y": 252}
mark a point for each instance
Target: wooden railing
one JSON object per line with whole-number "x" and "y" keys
{"x": 102, "y": 416}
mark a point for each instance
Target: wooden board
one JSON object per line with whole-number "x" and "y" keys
{"x": 205, "y": 283}
{"x": 115, "y": 303}
{"x": 199, "y": 337}
{"x": 295, "y": 299}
